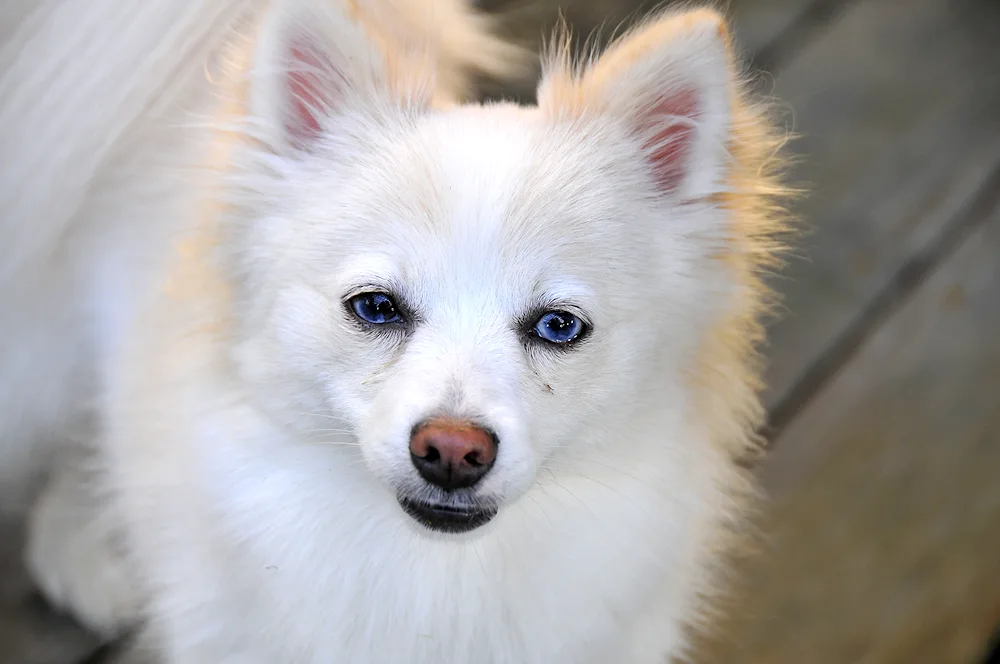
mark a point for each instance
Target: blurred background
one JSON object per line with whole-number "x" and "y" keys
{"x": 881, "y": 542}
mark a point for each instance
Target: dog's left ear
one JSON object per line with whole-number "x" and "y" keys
{"x": 670, "y": 82}
{"x": 314, "y": 65}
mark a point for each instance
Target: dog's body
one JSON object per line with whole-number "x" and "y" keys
{"x": 568, "y": 295}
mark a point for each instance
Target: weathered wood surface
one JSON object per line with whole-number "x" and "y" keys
{"x": 883, "y": 532}
{"x": 898, "y": 107}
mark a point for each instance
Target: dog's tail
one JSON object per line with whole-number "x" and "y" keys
{"x": 78, "y": 76}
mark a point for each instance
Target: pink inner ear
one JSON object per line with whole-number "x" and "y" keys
{"x": 313, "y": 83}
{"x": 669, "y": 136}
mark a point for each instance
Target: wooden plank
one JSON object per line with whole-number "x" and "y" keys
{"x": 899, "y": 112}
{"x": 883, "y": 533}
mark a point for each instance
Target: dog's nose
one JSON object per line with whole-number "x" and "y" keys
{"x": 451, "y": 453}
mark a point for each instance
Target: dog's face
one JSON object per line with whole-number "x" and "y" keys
{"x": 469, "y": 293}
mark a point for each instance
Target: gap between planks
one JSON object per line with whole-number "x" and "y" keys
{"x": 904, "y": 283}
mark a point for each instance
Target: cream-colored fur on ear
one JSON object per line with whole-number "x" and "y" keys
{"x": 386, "y": 52}
{"x": 310, "y": 64}
{"x": 669, "y": 81}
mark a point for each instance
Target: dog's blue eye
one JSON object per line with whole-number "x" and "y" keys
{"x": 559, "y": 327}
{"x": 375, "y": 308}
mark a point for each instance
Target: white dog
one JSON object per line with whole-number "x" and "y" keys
{"x": 428, "y": 383}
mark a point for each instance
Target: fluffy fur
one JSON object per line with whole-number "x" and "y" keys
{"x": 255, "y": 436}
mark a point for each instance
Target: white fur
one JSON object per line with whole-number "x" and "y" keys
{"x": 257, "y": 438}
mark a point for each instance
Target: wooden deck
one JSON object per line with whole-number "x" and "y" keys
{"x": 882, "y": 540}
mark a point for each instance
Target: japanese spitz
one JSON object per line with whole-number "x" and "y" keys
{"x": 425, "y": 382}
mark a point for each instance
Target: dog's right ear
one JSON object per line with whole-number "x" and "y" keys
{"x": 315, "y": 64}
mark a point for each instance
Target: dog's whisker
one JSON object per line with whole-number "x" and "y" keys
{"x": 329, "y": 416}
{"x": 604, "y": 465}
{"x": 330, "y": 431}
{"x": 333, "y": 443}
{"x": 558, "y": 484}
{"x": 541, "y": 510}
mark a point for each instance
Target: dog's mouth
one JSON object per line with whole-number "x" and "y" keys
{"x": 447, "y": 518}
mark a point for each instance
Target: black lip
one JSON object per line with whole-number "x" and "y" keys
{"x": 446, "y": 519}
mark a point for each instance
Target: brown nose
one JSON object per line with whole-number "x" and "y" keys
{"x": 452, "y": 454}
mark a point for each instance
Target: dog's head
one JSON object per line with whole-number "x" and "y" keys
{"x": 467, "y": 292}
